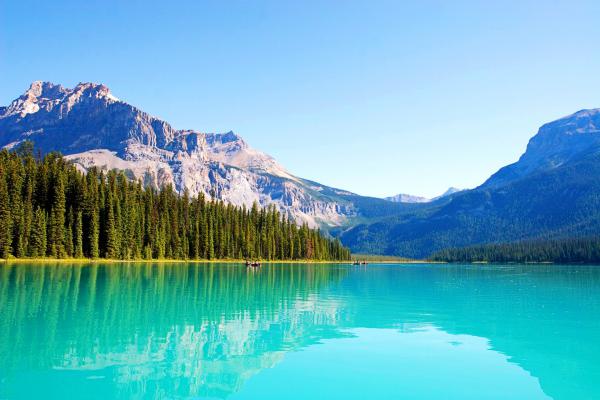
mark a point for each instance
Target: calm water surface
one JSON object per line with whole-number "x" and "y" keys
{"x": 299, "y": 331}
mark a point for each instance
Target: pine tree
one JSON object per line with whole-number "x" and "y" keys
{"x": 94, "y": 233}
{"x": 38, "y": 234}
{"x": 79, "y": 235}
{"x": 15, "y": 175}
{"x": 57, "y": 217}
{"x": 69, "y": 246}
{"x": 112, "y": 249}
{"x": 5, "y": 220}
{"x": 28, "y": 198}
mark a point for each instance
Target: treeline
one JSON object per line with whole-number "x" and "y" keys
{"x": 576, "y": 250}
{"x": 50, "y": 209}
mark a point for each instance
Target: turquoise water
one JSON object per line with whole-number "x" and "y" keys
{"x": 299, "y": 331}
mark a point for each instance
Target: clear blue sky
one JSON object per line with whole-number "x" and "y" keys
{"x": 374, "y": 97}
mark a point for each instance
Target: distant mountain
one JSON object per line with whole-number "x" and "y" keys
{"x": 552, "y": 192}
{"x": 407, "y": 198}
{"x": 92, "y": 127}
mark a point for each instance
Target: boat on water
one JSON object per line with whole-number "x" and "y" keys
{"x": 253, "y": 264}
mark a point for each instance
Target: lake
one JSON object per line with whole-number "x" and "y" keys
{"x": 297, "y": 331}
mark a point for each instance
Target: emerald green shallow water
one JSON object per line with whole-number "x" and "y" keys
{"x": 299, "y": 331}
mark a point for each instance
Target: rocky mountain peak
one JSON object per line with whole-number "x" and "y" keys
{"x": 93, "y": 128}
{"x": 43, "y": 89}
{"x": 46, "y": 96}
{"x": 35, "y": 97}
{"x": 555, "y": 143}
{"x": 94, "y": 90}
{"x": 227, "y": 138}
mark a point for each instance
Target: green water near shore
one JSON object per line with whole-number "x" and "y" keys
{"x": 299, "y": 331}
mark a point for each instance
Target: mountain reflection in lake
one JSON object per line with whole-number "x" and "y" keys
{"x": 298, "y": 331}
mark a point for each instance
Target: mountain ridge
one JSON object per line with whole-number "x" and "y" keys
{"x": 554, "y": 144}
{"x": 92, "y": 127}
{"x": 551, "y": 192}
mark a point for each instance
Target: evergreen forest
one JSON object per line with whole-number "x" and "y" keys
{"x": 48, "y": 208}
{"x": 572, "y": 250}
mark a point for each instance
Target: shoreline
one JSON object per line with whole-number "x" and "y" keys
{"x": 48, "y": 260}
{"x": 176, "y": 261}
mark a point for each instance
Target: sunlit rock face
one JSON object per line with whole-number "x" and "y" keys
{"x": 92, "y": 127}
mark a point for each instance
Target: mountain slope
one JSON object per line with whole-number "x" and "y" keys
{"x": 553, "y": 191}
{"x": 94, "y": 128}
{"x": 555, "y": 144}
{"x": 450, "y": 191}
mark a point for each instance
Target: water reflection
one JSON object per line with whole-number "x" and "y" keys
{"x": 182, "y": 329}
{"x": 186, "y": 330}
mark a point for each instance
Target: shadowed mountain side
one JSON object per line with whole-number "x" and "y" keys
{"x": 552, "y": 192}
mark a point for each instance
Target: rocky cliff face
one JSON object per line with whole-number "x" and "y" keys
{"x": 555, "y": 144}
{"x": 94, "y": 128}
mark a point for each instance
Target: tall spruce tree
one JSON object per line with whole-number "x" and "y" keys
{"x": 79, "y": 235}
{"x": 112, "y": 249}
{"x": 37, "y": 242}
{"x": 5, "y": 219}
{"x": 57, "y": 214}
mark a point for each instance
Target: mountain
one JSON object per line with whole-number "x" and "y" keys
{"x": 556, "y": 143}
{"x": 551, "y": 192}
{"x": 450, "y": 191}
{"x": 407, "y": 198}
{"x": 92, "y": 127}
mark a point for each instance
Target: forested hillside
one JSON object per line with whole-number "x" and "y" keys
{"x": 563, "y": 202}
{"x": 551, "y": 192}
{"x": 581, "y": 250}
{"x": 48, "y": 208}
